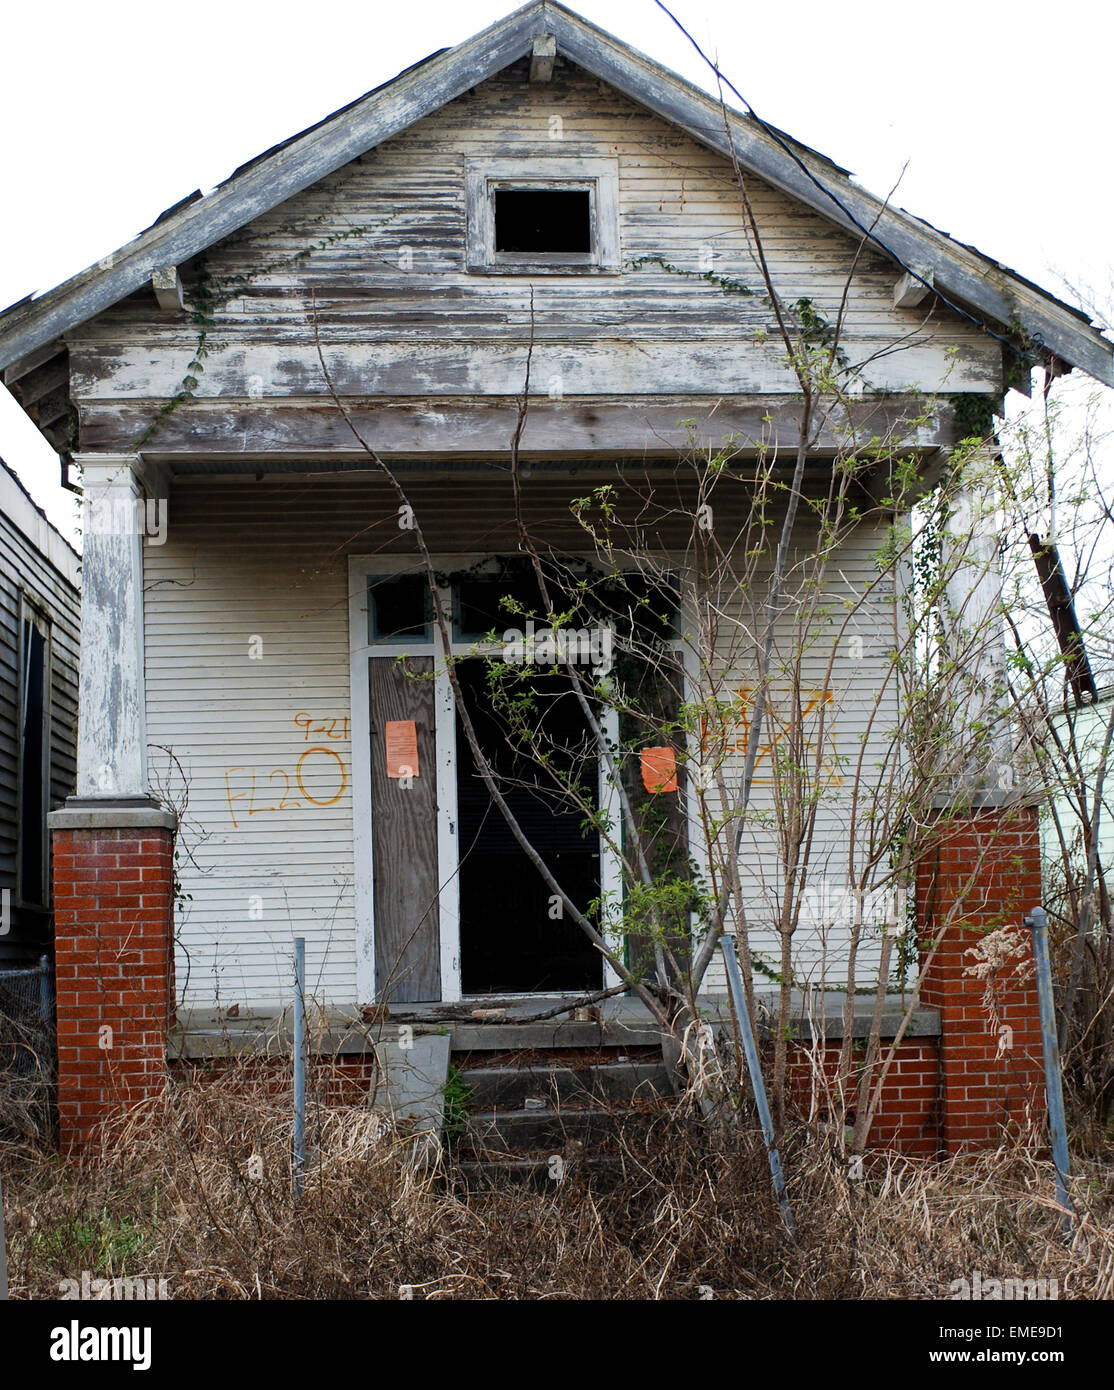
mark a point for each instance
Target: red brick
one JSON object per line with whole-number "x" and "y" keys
{"x": 986, "y": 873}
{"x": 113, "y": 923}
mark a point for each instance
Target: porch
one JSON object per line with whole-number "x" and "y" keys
{"x": 623, "y": 1022}
{"x": 536, "y": 1086}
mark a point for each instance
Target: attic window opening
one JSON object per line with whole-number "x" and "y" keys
{"x": 542, "y": 216}
{"x": 543, "y": 221}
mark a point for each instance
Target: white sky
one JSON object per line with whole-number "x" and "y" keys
{"x": 1000, "y": 111}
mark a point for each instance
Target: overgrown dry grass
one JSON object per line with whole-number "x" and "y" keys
{"x": 204, "y": 1200}
{"x": 26, "y": 1081}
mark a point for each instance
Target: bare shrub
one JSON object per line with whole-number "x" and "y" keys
{"x": 685, "y": 1211}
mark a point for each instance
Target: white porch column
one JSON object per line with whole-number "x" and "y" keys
{"x": 112, "y": 732}
{"x": 976, "y": 635}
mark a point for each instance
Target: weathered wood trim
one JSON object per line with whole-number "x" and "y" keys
{"x": 112, "y": 739}
{"x": 363, "y": 882}
{"x": 599, "y": 176}
{"x": 994, "y": 293}
{"x": 542, "y": 57}
{"x": 611, "y": 864}
{"x": 909, "y": 291}
{"x": 448, "y": 838}
{"x": 25, "y": 365}
{"x": 642, "y": 365}
{"x": 245, "y": 434}
{"x": 167, "y": 285}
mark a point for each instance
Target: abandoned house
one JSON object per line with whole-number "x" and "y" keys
{"x": 518, "y": 273}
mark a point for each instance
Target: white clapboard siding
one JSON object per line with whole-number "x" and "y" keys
{"x": 267, "y": 560}
{"x": 222, "y": 588}
{"x": 862, "y": 709}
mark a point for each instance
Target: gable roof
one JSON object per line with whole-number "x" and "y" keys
{"x": 959, "y": 273}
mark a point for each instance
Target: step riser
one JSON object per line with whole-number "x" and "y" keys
{"x": 480, "y": 1176}
{"x": 552, "y": 1131}
{"x": 509, "y": 1087}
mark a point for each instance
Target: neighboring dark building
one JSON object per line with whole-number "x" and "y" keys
{"x": 39, "y": 627}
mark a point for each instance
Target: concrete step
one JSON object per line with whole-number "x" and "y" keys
{"x": 498, "y": 1088}
{"x": 478, "y": 1175}
{"x": 565, "y": 1131}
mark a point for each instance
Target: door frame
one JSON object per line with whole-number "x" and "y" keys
{"x": 361, "y": 650}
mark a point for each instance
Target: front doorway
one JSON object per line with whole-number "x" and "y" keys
{"x": 515, "y": 934}
{"x": 449, "y": 905}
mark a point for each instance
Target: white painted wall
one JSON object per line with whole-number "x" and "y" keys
{"x": 848, "y": 658}
{"x": 268, "y": 561}
{"x": 246, "y": 630}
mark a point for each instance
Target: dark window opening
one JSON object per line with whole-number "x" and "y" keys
{"x": 644, "y": 608}
{"x": 511, "y": 937}
{"x": 400, "y": 609}
{"x": 486, "y": 604}
{"x": 543, "y": 221}
{"x": 32, "y": 766}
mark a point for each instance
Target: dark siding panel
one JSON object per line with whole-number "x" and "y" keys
{"x": 23, "y": 568}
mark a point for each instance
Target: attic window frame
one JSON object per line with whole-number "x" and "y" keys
{"x": 598, "y": 177}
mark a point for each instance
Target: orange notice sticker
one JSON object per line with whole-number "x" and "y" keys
{"x": 402, "y": 748}
{"x": 659, "y": 769}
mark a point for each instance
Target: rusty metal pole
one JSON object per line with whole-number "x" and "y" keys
{"x": 3, "y": 1252}
{"x": 299, "y": 1063}
{"x": 1037, "y": 922}
{"x": 758, "y": 1085}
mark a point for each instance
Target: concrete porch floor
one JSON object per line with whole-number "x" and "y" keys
{"x": 623, "y": 1022}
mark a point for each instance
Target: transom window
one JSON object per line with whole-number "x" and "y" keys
{"x": 400, "y": 609}
{"x": 499, "y": 597}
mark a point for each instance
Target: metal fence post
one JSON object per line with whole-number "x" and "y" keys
{"x": 758, "y": 1085}
{"x": 46, "y": 998}
{"x": 3, "y": 1251}
{"x": 1037, "y": 922}
{"x": 299, "y": 1063}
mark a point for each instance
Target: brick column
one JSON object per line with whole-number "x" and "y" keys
{"x": 113, "y": 916}
{"x": 986, "y": 865}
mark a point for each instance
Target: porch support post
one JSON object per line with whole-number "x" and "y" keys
{"x": 112, "y": 733}
{"x": 984, "y": 865}
{"x": 113, "y": 844}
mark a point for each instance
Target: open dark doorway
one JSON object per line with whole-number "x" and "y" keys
{"x": 510, "y": 938}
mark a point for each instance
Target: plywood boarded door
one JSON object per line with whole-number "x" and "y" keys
{"x": 404, "y": 837}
